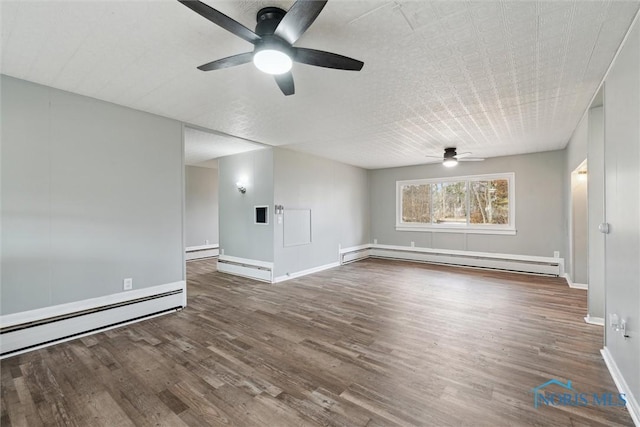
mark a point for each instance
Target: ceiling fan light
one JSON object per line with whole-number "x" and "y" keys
{"x": 272, "y": 61}
{"x": 449, "y": 163}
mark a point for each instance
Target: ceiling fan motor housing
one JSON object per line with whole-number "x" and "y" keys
{"x": 450, "y": 153}
{"x": 268, "y": 19}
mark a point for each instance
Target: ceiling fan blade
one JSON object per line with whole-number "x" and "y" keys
{"x": 434, "y": 157}
{"x": 461, "y": 155}
{"x": 471, "y": 159}
{"x": 285, "y": 83}
{"x": 229, "y": 61}
{"x": 298, "y": 19}
{"x": 221, "y": 20}
{"x": 320, "y": 58}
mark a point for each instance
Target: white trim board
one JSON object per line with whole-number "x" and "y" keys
{"x": 262, "y": 270}
{"x": 244, "y": 267}
{"x": 461, "y": 230}
{"x": 599, "y": 321}
{"x": 623, "y": 387}
{"x": 247, "y": 261}
{"x": 582, "y": 286}
{"x": 206, "y": 253}
{"x": 514, "y": 257}
{"x": 354, "y": 253}
{"x": 497, "y": 261}
{"x": 86, "y": 334}
{"x": 306, "y": 272}
{"x": 50, "y": 325}
{"x": 201, "y": 247}
{"x": 342, "y": 250}
{"x": 87, "y": 304}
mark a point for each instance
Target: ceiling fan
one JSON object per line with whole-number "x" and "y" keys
{"x": 451, "y": 157}
{"x": 276, "y": 32}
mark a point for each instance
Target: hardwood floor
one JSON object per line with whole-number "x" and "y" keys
{"x": 373, "y": 343}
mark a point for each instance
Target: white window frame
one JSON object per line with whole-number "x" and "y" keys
{"x": 509, "y": 229}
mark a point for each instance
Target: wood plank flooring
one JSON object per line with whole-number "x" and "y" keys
{"x": 373, "y": 343}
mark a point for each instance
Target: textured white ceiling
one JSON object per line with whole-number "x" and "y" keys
{"x": 202, "y": 148}
{"x": 491, "y": 77}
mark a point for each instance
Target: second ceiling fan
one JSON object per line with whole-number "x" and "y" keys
{"x": 276, "y": 32}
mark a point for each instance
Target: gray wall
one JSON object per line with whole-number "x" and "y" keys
{"x": 338, "y": 196}
{"x": 239, "y": 236}
{"x": 539, "y": 205}
{"x": 595, "y": 191}
{"x": 578, "y": 145}
{"x": 622, "y": 166}
{"x": 576, "y": 153}
{"x": 201, "y": 206}
{"x": 84, "y": 205}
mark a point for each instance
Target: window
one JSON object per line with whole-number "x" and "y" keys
{"x": 469, "y": 204}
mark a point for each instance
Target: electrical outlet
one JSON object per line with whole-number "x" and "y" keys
{"x": 375, "y": 241}
{"x": 556, "y": 254}
{"x": 413, "y": 244}
{"x": 127, "y": 284}
{"x": 221, "y": 251}
{"x": 206, "y": 242}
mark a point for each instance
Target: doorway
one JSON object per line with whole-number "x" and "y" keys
{"x": 596, "y": 274}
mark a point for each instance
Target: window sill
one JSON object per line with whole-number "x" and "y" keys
{"x": 463, "y": 230}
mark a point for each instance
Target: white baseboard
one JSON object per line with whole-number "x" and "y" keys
{"x": 27, "y": 330}
{"x": 354, "y": 253}
{"x": 582, "y": 286}
{"x": 355, "y": 248}
{"x": 497, "y": 261}
{"x": 82, "y": 335}
{"x": 201, "y": 247}
{"x": 244, "y": 267}
{"x": 203, "y": 251}
{"x": 621, "y": 384}
{"x": 305, "y": 272}
{"x": 594, "y": 320}
{"x": 201, "y": 254}
{"x": 39, "y": 314}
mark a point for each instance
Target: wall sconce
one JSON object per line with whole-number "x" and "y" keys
{"x": 618, "y": 325}
{"x": 241, "y": 187}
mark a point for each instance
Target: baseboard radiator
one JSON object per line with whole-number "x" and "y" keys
{"x": 20, "y": 332}
{"x": 354, "y": 254}
{"x": 200, "y": 252}
{"x": 250, "y": 268}
{"x": 508, "y": 262}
